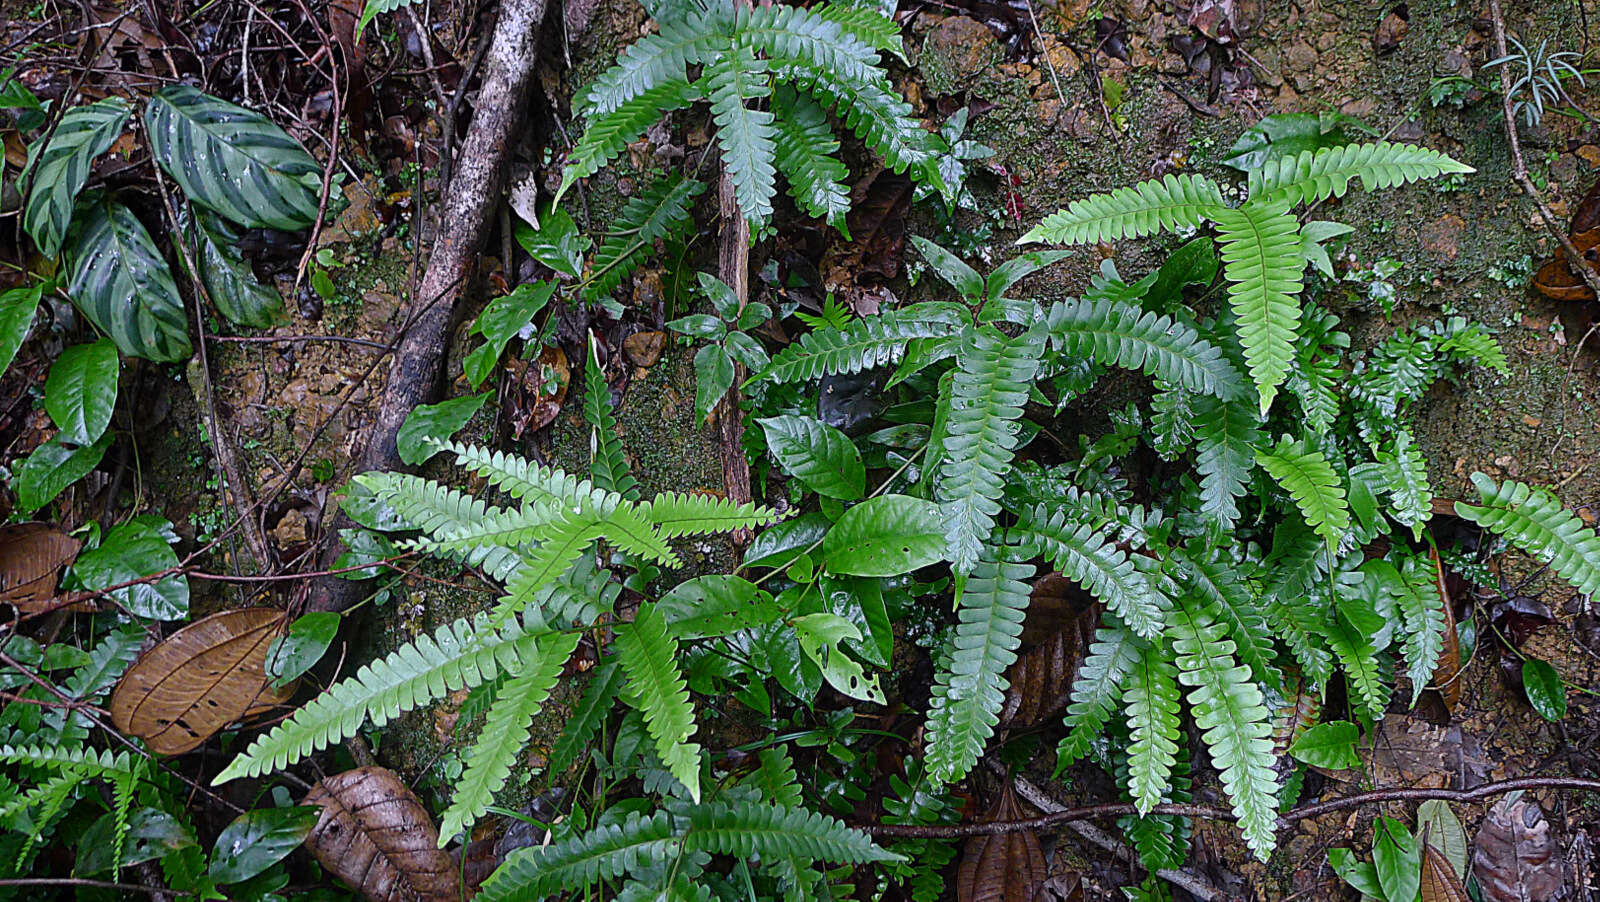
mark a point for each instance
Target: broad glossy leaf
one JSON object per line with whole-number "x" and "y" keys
{"x": 782, "y": 542}
{"x": 1396, "y": 859}
{"x": 232, "y": 160}
{"x": 61, "y": 169}
{"x": 434, "y": 421}
{"x": 137, "y": 548}
{"x": 501, "y": 321}
{"x": 258, "y": 839}
{"x": 1359, "y": 874}
{"x": 820, "y": 636}
{"x": 1546, "y": 692}
{"x": 363, "y": 547}
{"x": 51, "y": 468}
{"x": 151, "y": 834}
{"x": 713, "y": 376}
{"x": 947, "y": 266}
{"x": 885, "y": 536}
{"x": 818, "y": 455}
{"x": 122, "y": 284}
{"x": 1439, "y": 826}
{"x": 229, "y": 281}
{"x": 17, "y": 308}
{"x": 715, "y": 605}
{"x": 299, "y": 649}
{"x": 376, "y": 836}
{"x": 1287, "y": 134}
{"x": 1331, "y": 745}
{"x": 556, "y": 242}
{"x": 81, "y": 391}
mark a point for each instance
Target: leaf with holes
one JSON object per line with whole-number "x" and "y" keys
{"x": 885, "y": 536}
{"x": 32, "y": 555}
{"x": 820, "y": 638}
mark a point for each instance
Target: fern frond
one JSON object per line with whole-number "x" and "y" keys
{"x": 607, "y": 135}
{"x": 1151, "y": 700}
{"x": 587, "y": 718}
{"x": 1171, "y": 203}
{"x": 806, "y": 157}
{"x": 1309, "y": 479}
{"x": 967, "y": 697}
{"x": 987, "y": 396}
{"x": 1227, "y": 442}
{"x": 1415, "y": 587}
{"x": 1405, "y": 474}
{"x": 652, "y": 215}
{"x": 1172, "y": 420}
{"x": 1121, "y": 334}
{"x": 1235, "y": 723}
{"x": 746, "y": 830}
{"x": 1097, "y": 688}
{"x": 1214, "y": 582}
{"x": 1534, "y": 520}
{"x": 1263, "y": 264}
{"x": 505, "y": 731}
{"x": 87, "y": 763}
{"x": 648, "y": 655}
{"x": 652, "y": 61}
{"x": 1086, "y": 556}
{"x": 1362, "y": 667}
{"x": 735, "y": 81}
{"x": 677, "y": 514}
{"x": 608, "y": 465}
{"x": 867, "y": 342}
{"x": 1311, "y": 176}
{"x": 866, "y": 24}
{"x": 603, "y": 853}
{"x": 460, "y": 655}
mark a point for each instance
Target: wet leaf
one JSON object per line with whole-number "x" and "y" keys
{"x": 716, "y": 605}
{"x": 1005, "y": 867}
{"x": 1515, "y": 859}
{"x": 556, "y": 242}
{"x": 230, "y": 282}
{"x": 200, "y": 679}
{"x": 885, "y": 536}
{"x": 61, "y": 169}
{"x": 1396, "y": 859}
{"x": 1438, "y": 825}
{"x": 258, "y": 839}
{"x": 17, "y": 308}
{"x": 32, "y": 556}
{"x": 1331, "y": 745}
{"x": 434, "y": 421}
{"x": 1440, "y": 882}
{"x": 233, "y": 160}
{"x": 502, "y": 320}
{"x": 782, "y": 542}
{"x": 820, "y": 637}
{"x": 376, "y": 836}
{"x": 644, "y": 348}
{"x": 1289, "y": 134}
{"x": 713, "y": 376}
{"x": 140, "y": 547}
{"x": 1055, "y": 637}
{"x": 122, "y": 284}
{"x": 820, "y": 456}
{"x": 52, "y": 467}
{"x": 1546, "y": 691}
{"x": 81, "y": 391}
{"x": 363, "y": 547}
{"x": 299, "y": 649}
{"x": 151, "y": 834}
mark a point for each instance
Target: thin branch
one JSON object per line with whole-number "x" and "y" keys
{"x": 99, "y": 884}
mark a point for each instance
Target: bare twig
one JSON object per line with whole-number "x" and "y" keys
{"x": 157, "y": 891}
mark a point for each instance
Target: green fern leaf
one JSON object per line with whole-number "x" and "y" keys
{"x": 608, "y": 465}
{"x": 1263, "y": 263}
{"x": 1172, "y": 420}
{"x": 1415, "y": 587}
{"x": 1088, "y": 557}
{"x": 607, "y": 135}
{"x": 1318, "y": 175}
{"x": 1228, "y": 440}
{"x": 1213, "y": 581}
{"x": 1171, "y": 203}
{"x": 749, "y": 830}
{"x": 867, "y": 342}
{"x": 806, "y": 156}
{"x": 1362, "y": 666}
{"x": 677, "y": 514}
{"x": 1534, "y": 521}
{"x": 587, "y": 718}
{"x": 1235, "y": 723}
{"x": 1405, "y": 474}
{"x": 1151, "y": 699}
{"x": 444, "y": 513}
{"x": 1097, "y": 689}
{"x": 88, "y": 763}
{"x": 460, "y": 655}
{"x": 660, "y": 211}
{"x": 648, "y": 655}
{"x": 866, "y": 24}
{"x": 987, "y": 397}
{"x": 1309, "y": 479}
{"x": 652, "y": 61}
{"x": 579, "y": 864}
{"x": 735, "y": 81}
{"x": 505, "y": 731}
{"x": 968, "y": 694}
{"x": 1111, "y": 332}
{"x": 775, "y": 779}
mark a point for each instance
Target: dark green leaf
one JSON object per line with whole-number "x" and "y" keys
{"x": 233, "y": 160}
{"x": 1195, "y": 263}
{"x": 501, "y": 321}
{"x": 81, "y": 391}
{"x": 1397, "y": 860}
{"x": 859, "y": 599}
{"x": 746, "y": 350}
{"x": 722, "y": 298}
{"x": 1331, "y": 745}
{"x": 556, "y": 243}
{"x": 363, "y": 547}
{"x": 782, "y": 542}
{"x": 1546, "y": 692}
{"x": 713, "y": 376}
{"x": 699, "y": 325}
{"x": 1018, "y": 268}
{"x": 963, "y": 278}
{"x": 1359, "y": 874}
{"x": 259, "y": 839}
{"x": 17, "y": 308}
{"x": 1287, "y": 134}
{"x": 122, "y": 284}
{"x": 61, "y": 169}
{"x": 152, "y": 833}
{"x": 137, "y": 548}
{"x": 715, "y": 605}
{"x": 885, "y": 536}
{"x": 299, "y": 649}
{"x": 435, "y": 421}
{"x": 818, "y": 455}
{"x": 363, "y": 506}
{"x": 796, "y": 673}
{"x": 51, "y": 468}
{"x": 229, "y": 281}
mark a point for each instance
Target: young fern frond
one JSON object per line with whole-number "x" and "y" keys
{"x": 1415, "y": 588}
{"x": 1151, "y": 700}
{"x": 608, "y": 464}
{"x": 609, "y": 134}
{"x": 987, "y": 397}
{"x": 1171, "y": 203}
{"x": 1089, "y": 558}
{"x": 735, "y": 81}
{"x": 1227, "y": 438}
{"x": 1533, "y": 520}
{"x": 1318, "y": 175}
{"x": 1362, "y": 667}
{"x": 867, "y": 342}
{"x": 1309, "y": 479}
{"x": 1172, "y": 420}
{"x": 1235, "y": 723}
{"x": 460, "y": 655}
{"x": 1121, "y": 334}
{"x": 967, "y": 697}
{"x": 603, "y": 853}
{"x": 660, "y": 211}
{"x": 807, "y": 157}
{"x": 648, "y": 655}
{"x": 505, "y": 731}
{"x": 1263, "y": 264}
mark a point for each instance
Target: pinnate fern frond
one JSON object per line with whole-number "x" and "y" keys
{"x": 648, "y": 655}
{"x": 660, "y": 211}
{"x": 1227, "y": 439}
{"x": 1415, "y": 587}
{"x": 1097, "y": 688}
{"x": 736, "y": 81}
{"x": 87, "y": 763}
{"x": 1362, "y": 666}
{"x": 967, "y": 697}
{"x": 609, "y": 134}
{"x": 1235, "y": 723}
{"x": 603, "y": 853}
{"x": 1151, "y": 700}
{"x": 867, "y": 342}
{"x": 807, "y": 158}
{"x": 460, "y": 655}
{"x": 505, "y": 731}
{"x": 1214, "y": 582}
{"x": 608, "y": 465}
{"x": 1309, "y": 479}
{"x": 1089, "y": 558}
{"x": 651, "y": 61}
{"x": 1533, "y": 520}
{"x": 746, "y": 830}
{"x": 1121, "y": 334}
{"x": 677, "y": 514}
{"x": 1318, "y": 175}
{"x": 987, "y": 397}
{"x": 1405, "y": 474}
{"x": 1170, "y": 203}
{"x": 1263, "y": 264}
{"x": 866, "y": 24}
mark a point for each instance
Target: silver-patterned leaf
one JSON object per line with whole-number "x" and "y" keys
{"x": 229, "y": 281}
{"x": 61, "y": 169}
{"x": 232, "y": 160}
{"x": 122, "y": 284}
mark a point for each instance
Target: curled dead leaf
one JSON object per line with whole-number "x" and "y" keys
{"x": 205, "y": 676}
{"x": 1439, "y": 880}
{"x": 538, "y": 390}
{"x": 1558, "y": 280}
{"x": 644, "y": 348}
{"x": 376, "y": 836}
{"x": 1006, "y": 867}
{"x": 1055, "y": 637}
{"x": 1447, "y": 673}
{"x": 1515, "y": 859}
{"x": 1296, "y": 711}
{"x": 32, "y": 556}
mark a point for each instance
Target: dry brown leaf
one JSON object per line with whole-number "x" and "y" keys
{"x": 644, "y": 348}
{"x": 31, "y": 558}
{"x": 1557, "y": 279}
{"x": 376, "y": 836}
{"x": 530, "y": 405}
{"x": 1055, "y": 638}
{"x": 1299, "y": 711}
{"x": 1447, "y": 673}
{"x": 1006, "y": 867}
{"x": 1515, "y": 859}
{"x": 200, "y": 679}
{"x": 1439, "y": 880}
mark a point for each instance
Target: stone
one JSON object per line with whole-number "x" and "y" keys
{"x": 293, "y": 529}
{"x": 1441, "y": 238}
{"x": 965, "y": 48}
